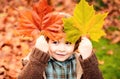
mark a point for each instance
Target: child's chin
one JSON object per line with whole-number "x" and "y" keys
{"x": 61, "y": 59}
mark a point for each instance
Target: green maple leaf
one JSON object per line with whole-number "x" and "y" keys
{"x": 84, "y": 22}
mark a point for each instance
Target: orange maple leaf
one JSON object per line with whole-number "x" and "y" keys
{"x": 41, "y": 20}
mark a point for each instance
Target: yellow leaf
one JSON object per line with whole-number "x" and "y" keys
{"x": 86, "y": 21}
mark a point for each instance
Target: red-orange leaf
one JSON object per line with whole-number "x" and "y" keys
{"x": 26, "y": 24}
{"x": 41, "y": 19}
{"x": 53, "y": 25}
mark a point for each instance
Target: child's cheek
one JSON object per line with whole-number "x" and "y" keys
{"x": 52, "y": 48}
{"x": 70, "y": 49}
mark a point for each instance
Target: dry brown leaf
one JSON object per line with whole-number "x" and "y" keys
{"x": 110, "y": 52}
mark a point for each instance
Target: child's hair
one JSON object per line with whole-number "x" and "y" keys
{"x": 77, "y": 44}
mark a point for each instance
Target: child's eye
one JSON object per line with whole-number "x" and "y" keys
{"x": 55, "y": 42}
{"x": 68, "y": 43}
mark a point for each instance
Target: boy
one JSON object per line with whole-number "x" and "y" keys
{"x": 57, "y": 59}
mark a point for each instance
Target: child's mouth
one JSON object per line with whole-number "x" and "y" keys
{"x": 61, "y": 54}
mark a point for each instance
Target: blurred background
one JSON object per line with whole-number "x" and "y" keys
{"x": 13, "y": 48}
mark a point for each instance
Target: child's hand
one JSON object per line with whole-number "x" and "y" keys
{"x": 85, "y": 47}
{"x": 42, "y": 44}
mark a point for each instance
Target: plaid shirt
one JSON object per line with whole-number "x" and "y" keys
{"x": 61, "y": 70}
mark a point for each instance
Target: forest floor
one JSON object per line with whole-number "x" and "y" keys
{"x": 13, "y": 48}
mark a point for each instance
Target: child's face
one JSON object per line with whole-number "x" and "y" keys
{"x": 60, "y": 50}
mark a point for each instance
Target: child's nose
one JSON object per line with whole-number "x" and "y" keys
{"x": 62, "y": 47}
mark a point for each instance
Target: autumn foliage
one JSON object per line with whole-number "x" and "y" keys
{"x": 13, "y": 48}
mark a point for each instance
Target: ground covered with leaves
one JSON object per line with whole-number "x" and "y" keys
{"x": 13, "y": 47}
